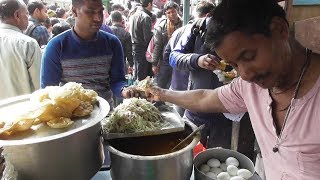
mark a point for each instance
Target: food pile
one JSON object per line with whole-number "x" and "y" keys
{"x": 145, "y": 84}
{"x": 228, "y": 170}
{"x": 134, "y": 115}
{"x": 223, "y": 74}
{"x": 53, "y": 106}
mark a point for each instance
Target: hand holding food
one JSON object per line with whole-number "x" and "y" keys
{"x": 131, "y": 91}
{"x": 208, "y": 61}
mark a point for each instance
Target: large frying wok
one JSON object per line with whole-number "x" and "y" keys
{"x": 74, "y": 153}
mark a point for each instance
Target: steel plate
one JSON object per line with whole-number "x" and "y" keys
{"x": 41, "y": 132}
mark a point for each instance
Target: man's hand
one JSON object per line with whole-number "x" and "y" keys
{"x": 130, "y": 70}
{"x": 154, "y": 93}
{"x": 208, "y": 61}
{"x": 155, "y": 70}
{"x": 131, "y": 91}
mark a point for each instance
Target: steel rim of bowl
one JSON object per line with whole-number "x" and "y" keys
{"x": 103, "y": 113}
{"x": 191, "y": 145}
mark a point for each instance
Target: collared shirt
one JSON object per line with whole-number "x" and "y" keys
{"x": 20, "y": 57}
{"x": 298, "y": 157}
{"x": 40, "y": 32}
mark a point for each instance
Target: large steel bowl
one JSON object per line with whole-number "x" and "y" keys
{"x": 222, "y": 155}
{"x": 64, "y": 154}
{"x": 171, "y": 166}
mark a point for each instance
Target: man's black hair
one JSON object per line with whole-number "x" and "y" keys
{"x": 247, "y": 16}
{"x": 116, "y": 16}
{"x": 204, "y": 7}
{"x": 170, "y": 5}
{"x": 60, "y": 12}
{"x": 60, "y": 28}
{"x": 117, "y": 7}
{"x": 33, "y": 5}
{"x": 8, "y": 8}
{"x": 144, "y": 3}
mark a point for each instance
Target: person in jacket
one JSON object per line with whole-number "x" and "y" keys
{"x": 141, "y": 34}
{"x": 124, "y": 37}
{"x": 162, "y": 33}
{"x": 20, "y": 54}
{"x": 38, "y": 14}
{"x": 190, "y": 54}
{"x": 278, "y": 85}
{"x": 87, "y": 55}
{"x": 180, "y": 78}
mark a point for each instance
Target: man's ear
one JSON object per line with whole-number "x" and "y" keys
{"x": 279, "y": 27}
{"x": 74, "y": 11}
{"x": 16, "y": 15}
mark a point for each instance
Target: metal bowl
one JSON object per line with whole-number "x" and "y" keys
{"x": 175, "y": 165}
{"x": 222, "y": 155}
{"x": 46, "y": 153}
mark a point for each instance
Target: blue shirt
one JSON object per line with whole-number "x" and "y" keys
{"x": 40, "y": 33}
{"x": 97, "y": 64}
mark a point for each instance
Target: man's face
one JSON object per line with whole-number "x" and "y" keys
{"x": 89, "y": 16}
{"x": 257, "y": 58}
{"x": 23, "y": 17}
{"x": 172, "y": 14}
{"x": 43, "y": 15}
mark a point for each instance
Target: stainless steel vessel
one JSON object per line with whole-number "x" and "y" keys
{"x": 222, "y": 155}
{"x": 76, "y": 153}
{"x": 172, "y": 166}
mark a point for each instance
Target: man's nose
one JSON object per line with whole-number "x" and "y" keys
{"x": 98, "y": 17}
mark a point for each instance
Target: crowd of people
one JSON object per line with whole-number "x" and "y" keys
{"x": 44, "y": 45}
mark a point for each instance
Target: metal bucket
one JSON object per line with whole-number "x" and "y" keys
{"x": 222, "y": 155}
{"x": 171, "y": 166}
{"x": 66, "y": 154}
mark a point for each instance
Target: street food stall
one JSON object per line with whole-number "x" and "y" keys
{"x": 57, "y": 133}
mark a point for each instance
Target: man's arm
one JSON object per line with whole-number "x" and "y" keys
{"x": 180, "y": 58}
{"x": 194, "y": 100}
{"x": 117, "y": 74}
{"x": 128, "y": 48}
{"x": 158, "y": 46}
{"x": 34, "y": 64}
{"x": 51, "y": 70}
{"x": 147, "y": 30}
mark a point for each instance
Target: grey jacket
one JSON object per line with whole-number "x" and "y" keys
{"x": 141, "y": 29}
{"x": 161, "y": 39}
{"x": 125, "y": 39}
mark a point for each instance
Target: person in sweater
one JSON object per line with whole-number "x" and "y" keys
{"x": 87, "y": 55}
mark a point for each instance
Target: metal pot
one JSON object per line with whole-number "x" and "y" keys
{"x": 222, "y": 155}
{"x": 75, "y": 153}
{"x": 171, "y": 166}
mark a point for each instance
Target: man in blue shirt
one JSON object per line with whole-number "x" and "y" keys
{"x": 38, "y": 14}
{"x": 86, "y": 55}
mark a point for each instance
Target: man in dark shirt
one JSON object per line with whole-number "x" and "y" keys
{"x": 124, "y": 37}
{"x": 141, "y": 34}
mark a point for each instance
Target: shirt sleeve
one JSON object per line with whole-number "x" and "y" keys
{"x": 231, "y": 96}
{"x": 34, "y": 64}
{"x": 51, "y": 70}
{"x": 118, "y": 80}
{"x": 147, "y": 30}
{"x": 181, "y": 58}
